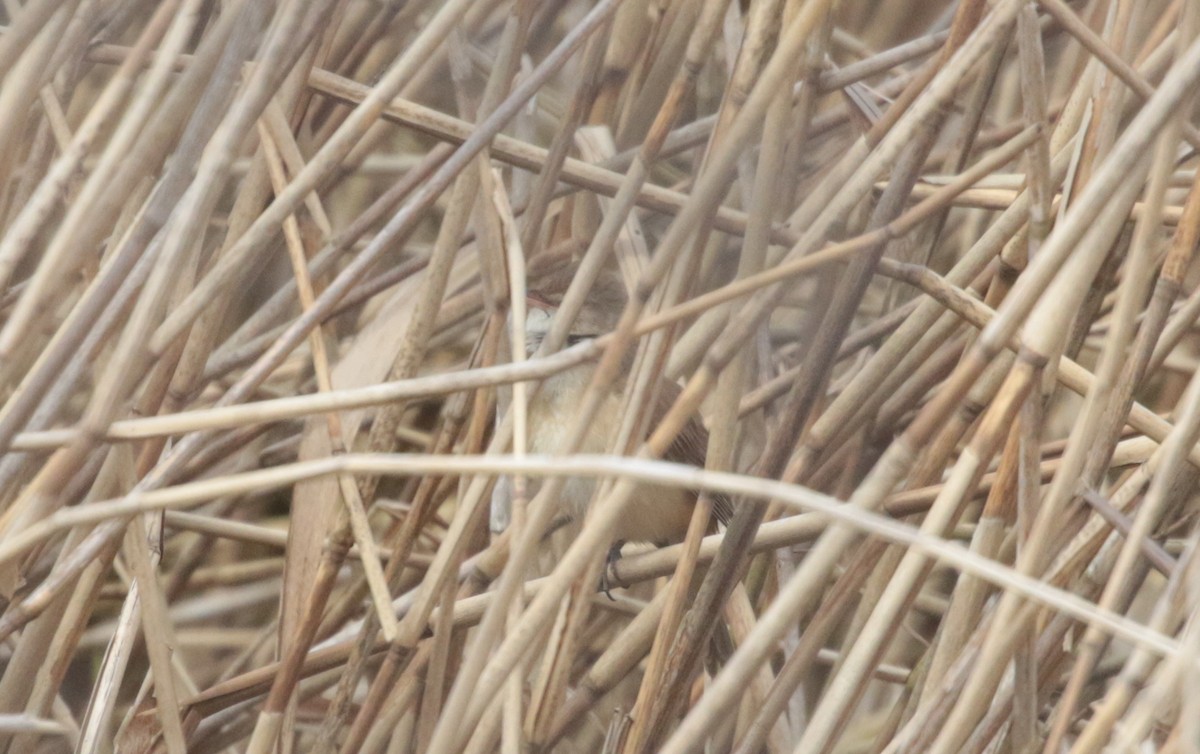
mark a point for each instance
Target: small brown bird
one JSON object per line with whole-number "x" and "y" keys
{"x": 658, "y": 514}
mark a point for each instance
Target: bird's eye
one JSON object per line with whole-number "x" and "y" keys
{"x": 577, "y": 339}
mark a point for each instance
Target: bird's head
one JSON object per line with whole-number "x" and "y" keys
{"x": 599, "y": 314}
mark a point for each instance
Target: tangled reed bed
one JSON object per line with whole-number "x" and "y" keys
{"x": 925, "y": 269}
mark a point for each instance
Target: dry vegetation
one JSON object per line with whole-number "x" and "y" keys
{"x": 925, "y": 267}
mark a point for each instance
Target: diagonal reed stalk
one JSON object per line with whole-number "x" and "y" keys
{"x": 925, "y": 271}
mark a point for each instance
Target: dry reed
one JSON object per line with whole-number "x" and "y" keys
{"x": 925, "y": 270}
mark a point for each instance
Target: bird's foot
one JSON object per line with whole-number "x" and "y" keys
{"x": 614, "y": 554}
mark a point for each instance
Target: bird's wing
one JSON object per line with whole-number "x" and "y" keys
{"x": 690, "y": 446}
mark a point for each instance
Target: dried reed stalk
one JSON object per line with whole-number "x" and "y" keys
{"x": 924, "y": 269}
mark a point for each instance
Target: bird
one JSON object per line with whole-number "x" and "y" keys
{"x": 657, "y": 515}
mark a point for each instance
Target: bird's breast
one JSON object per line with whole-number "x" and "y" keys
{"x": 656, "y": 514}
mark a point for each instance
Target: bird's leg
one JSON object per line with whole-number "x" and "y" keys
{"x": 614, "y": 554}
